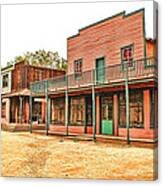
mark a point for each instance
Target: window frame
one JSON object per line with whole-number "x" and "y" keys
{"x": 132, "y": 67}
{"x": 135, "y": 92}
{"x": 153, "y": 124}
{"x": 60, "y": 103}
{"x": 78, "y": 75}
{"x": 5, "y": 81}
{"x": 77, "y": 108}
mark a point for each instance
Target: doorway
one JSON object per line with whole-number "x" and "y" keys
{"x": 100, "y": 70}
{"x": 107, "y": 115}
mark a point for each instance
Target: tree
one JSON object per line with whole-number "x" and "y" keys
{"x": 42, "y": 58}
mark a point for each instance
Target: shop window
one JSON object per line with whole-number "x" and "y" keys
{"x": 154, "y": 109}
{"x": 37, "y": 111}
{"x": 89, "y": 111}
{"x": 78, "y": 68}
{"x": 135, "y": 107}
{"x": 58, "y": 111}
{"x": 77, "y": 111}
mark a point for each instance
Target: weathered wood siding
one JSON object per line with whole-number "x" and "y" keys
{"x": 106, "y": 38}
{"x": 23, "y": 75}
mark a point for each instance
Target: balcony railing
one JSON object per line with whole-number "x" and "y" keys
{"x": 140, "y": 69}
{"x": 38, "y": 87}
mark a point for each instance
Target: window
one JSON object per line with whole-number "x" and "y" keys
{"x": 135, "y": 107}
{"x": 77, "y": 111}
{"x": 154, "y": 109}
{"x": 89, "y": 111}
{"x": 58, "y": 111}
{"x": 5, "y": 80}
{"x": 37, "y": 110}
{"x": 127, "y": 56}
{"x": 78, "y": 68}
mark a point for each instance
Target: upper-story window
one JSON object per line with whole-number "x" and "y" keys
{"x": 5, "y": 80}
{"x": 78, "y": 68}
{"x": 127, "y": 56}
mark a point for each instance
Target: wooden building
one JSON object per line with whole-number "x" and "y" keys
{"x": 16, "y": 81}
{"x": 111, "y": 85}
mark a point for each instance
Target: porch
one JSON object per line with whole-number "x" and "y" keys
{"x": 71, "y": 116}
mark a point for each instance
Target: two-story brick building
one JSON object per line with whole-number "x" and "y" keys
{"x": 91, "y": 98}
{"x": 15, "y": 92}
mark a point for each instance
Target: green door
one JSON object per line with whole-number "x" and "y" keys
{"x": 107, "y": 115}
{"x": 100, "y": 70}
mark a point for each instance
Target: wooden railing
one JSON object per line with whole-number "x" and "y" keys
{"x": 140, "y": 69}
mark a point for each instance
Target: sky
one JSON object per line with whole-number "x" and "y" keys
{"x": 30, "y": 27}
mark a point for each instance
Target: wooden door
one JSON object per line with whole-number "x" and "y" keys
{"x": 100, "y": 70}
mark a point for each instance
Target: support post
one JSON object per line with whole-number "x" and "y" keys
{"x": 20, "y": 108}
{"x": 85, "y": 116}
{"x": 48, "y": 113}
{"x": 50, "y": 110}
{"x": 30, "y": 112}
{"x": 47, "y": 105}
{"x": 67, "y": 107}
{"x": 127, "y": 106}
{"x": 93, "y": 104}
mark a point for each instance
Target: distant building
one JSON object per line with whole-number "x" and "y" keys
{"x": 15, "y": 83}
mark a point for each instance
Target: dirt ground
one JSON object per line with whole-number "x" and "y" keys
{"x": 34, "y": 155}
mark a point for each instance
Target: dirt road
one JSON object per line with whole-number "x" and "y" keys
{"x": 33, "y": 155}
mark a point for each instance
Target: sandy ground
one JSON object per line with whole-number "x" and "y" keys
{"x": 34, "y": 155}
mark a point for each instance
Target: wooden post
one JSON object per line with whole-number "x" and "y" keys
{"x": 67, "y": 107}
{"x": 115, "y": 107}
{"x": 85, "y": 116}
{"x": 47, "y": 105}
{"x": 98, "y": 110}
{"x": 49, "y": 111}
{"x": 93, "y": 104}
{"x": 30, "y": 112}
{"x": 8, "y": 110}
{"x": 20, "y": 109}
{"x": 127, "y": 107}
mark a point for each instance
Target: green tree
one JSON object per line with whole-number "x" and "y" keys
{"x": 42, "y": 58}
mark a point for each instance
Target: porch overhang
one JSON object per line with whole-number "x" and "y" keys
{"x": 24, "y": 92}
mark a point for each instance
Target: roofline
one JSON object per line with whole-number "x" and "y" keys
{"x": 106, "y": 19}
{"x": 42, "y": 67}
{"x": 6, "y": 67}
{"x": 39, "y": 67}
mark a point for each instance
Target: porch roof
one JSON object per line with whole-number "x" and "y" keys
{"x": 23, "y": 92}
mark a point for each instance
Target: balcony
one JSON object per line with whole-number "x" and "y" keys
{"x": 143, "y": 69}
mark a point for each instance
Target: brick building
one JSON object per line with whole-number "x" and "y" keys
{"x": 103, "y": 59}
{"x": 16, "y": 80}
